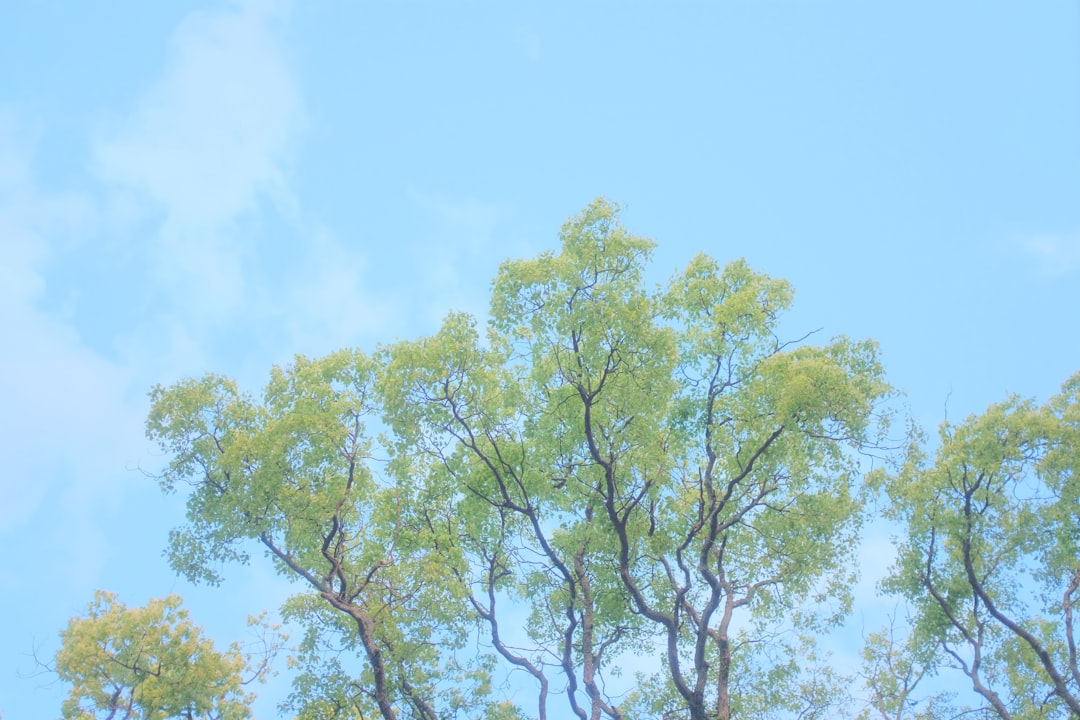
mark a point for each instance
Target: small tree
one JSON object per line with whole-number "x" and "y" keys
{"x": 150, "y": 663}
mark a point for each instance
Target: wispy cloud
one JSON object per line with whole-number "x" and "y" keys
{"x": 1055, "y": 255}
{"x": 185, "y": 180}
{"x": 207, "y": 153}
{"x": 217, "y": 128}
{"x": 204, "y": 146}
{"x": 59, "y": 394}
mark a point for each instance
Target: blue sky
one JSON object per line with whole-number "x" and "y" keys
{"x": 212, "y": 186}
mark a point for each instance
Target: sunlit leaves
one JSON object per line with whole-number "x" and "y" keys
{"x": 625, "y": 468}
{"x": 664, "y": 448}
{"x": 989, "y": 558}
{"x": 150, "y": 663}
{"x": 296, "y": 473}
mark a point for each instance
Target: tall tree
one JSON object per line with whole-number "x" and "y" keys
{"x": 629, "y": 469}
{"x": 662, "y": 450}
{"x": 991, "y": 557}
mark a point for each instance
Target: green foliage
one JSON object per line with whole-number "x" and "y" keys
{"x": 631, "y": 468}
{"x": 662, "y": 448}
{"x": 990, "y": 556}
{"x": 150, "y": 663}
{"x": 295, "y": 472}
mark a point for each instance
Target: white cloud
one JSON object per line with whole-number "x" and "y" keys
{"x": 203, "y": 154}
{"x": 64, "y": 409}
{"x": 26, "y": 216}
{"x": 205, "y": 145}
{"x": 1055, "y": 254}
{"x": 183, "y": 182}
{"x": 217, "y": 128}
{"x": 206, "y": 152}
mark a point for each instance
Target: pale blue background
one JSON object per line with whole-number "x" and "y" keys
{"x": 194, "y": 186}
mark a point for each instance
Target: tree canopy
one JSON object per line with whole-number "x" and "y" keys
{"x": 607, "y": 470}
{"x": 629, "y": 469}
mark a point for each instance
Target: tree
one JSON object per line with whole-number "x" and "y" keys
{"x": 296, "y": 474}
{"x": 150, "y": 663}
{"x": 991, "y": 556}
{"x": 665, "y": 446}
{"x": 632, "y": 470}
